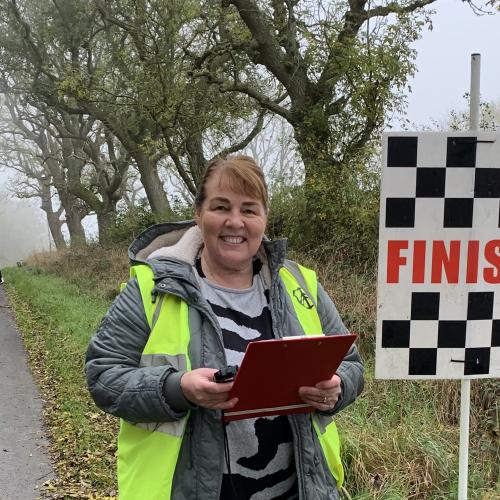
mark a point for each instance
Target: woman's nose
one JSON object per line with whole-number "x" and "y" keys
{"x": 234, "y": 219}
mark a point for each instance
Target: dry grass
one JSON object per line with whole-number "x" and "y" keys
{"x": 415, "y": 447}
{"x": 96, "y": 268}
{"x": 353, "y": 292}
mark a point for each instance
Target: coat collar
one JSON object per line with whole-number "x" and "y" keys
{"x": 171, "y": 248}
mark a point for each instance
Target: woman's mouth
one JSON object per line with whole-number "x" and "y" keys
{"x": 233, "y": 240}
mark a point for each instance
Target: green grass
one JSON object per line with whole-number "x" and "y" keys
{"x": 396, "y": 449}
{"x": 56, "y": 320}
{"x": 400, "y": 438}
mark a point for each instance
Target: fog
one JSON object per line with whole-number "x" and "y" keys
{"x": 23, "y": 230}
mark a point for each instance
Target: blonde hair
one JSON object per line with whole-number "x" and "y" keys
{"x": 240, "y": 174}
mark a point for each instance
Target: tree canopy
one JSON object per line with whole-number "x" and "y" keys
{"x": 167, "y": 85}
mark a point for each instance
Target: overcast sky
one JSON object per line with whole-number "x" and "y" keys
{"x": 443, "y": 61}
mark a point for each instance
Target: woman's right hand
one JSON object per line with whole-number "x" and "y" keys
{"x": 200, "y": 389}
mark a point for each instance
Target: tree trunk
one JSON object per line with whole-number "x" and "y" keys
{"x": 75, "y": 227}
{"x": 106, "y": 221}
{"x": 197, "y": 160}
{"x": 55, "y": 230}
{"x": 53, "y": 220}
{"x": 323, "y": 186}
{"x": 152, "y": 184}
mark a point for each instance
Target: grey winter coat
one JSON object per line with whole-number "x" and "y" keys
{"x": 153, "y": 394}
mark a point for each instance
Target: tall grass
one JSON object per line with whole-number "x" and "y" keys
{"x": 400, "y": 438}
{"x": 96, "y": 269}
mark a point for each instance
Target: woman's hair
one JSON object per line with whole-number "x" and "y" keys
{"x": 238, "y": 173}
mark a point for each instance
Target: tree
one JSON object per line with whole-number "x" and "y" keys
{"x": 55, "y": 53}
{"x": 31, "y": 131}
{"x": 188, "y": 120}
{"x": 489, "y": 118}
{"x": 78, "y": 156}
{"x": 342, "y": 66}
{"x": 126, "y": 66}
{"x": 276, "y": 151}
{"x": 32, "y": 181}
{"x": 96, "y": 167}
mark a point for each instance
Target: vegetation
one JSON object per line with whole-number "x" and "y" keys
{"x": 400, "y": 437}
{"x": 114, "y": 108}
{"x": 108, "y": 100}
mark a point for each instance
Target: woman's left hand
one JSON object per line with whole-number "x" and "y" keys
{"x": 323, "y": 395}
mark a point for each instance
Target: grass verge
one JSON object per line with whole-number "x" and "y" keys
{"x": 56, "y": 320}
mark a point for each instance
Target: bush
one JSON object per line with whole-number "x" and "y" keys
{"x": 132, "y": 221}
{"x": 345, "y": 226}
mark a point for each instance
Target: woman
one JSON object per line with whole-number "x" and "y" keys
{"x": 200, "y": 292}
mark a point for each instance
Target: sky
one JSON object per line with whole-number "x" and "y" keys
{"x": 444, "y": 60}
{"x": 23, "y": 230}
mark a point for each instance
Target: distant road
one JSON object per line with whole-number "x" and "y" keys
{"x": 24, "y": 461}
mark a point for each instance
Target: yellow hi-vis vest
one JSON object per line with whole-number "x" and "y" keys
{"x": 148, "y": 452}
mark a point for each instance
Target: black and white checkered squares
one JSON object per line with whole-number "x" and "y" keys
{"x": 480, "y": 305}
{"x": 461, "y": 152}
{"x": 425, "y": 338}
{"x": 458, "y": 212}
{"x": 430, "y": 182}
{"x": 459, "y": 182}
{"x": 400, "y": 212}
{"x": 402, "y": 151}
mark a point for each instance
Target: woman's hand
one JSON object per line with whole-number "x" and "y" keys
{"x": 199, "y": 387}
{"x": 323, "y": 395}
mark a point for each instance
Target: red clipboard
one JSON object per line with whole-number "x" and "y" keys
{"x": 272, "y": 371}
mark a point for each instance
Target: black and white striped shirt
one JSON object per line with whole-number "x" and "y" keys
{"x": 260, "y": 449}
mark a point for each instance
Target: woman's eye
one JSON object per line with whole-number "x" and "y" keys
{"x": 221, "y": 207}
{"x": 249, "y": 211}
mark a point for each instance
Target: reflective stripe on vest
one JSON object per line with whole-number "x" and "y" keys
{"x": 147, "y": 453}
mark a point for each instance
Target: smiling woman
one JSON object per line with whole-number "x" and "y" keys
{"x": 201, "y": 291}
{"x": 231, "y": 212}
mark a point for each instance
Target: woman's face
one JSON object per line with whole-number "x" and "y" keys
{"x": 232, "y": 226}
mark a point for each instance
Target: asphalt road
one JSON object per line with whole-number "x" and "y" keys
{"x": 24, "y": 460}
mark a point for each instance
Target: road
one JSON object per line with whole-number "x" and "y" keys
{"x": 24, "y": 458}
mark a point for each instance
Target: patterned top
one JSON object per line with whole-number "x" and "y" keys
{"x": 260, "y": 449}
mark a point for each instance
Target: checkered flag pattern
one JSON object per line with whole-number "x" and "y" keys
{"x": 439, "y": 257}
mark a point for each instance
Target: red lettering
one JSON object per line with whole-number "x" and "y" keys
{"x": 394, "y": 259}
{"x": 472, "y": 261}
{"x": 418, "y": 275}
{"x": 492, "y": 255}
{"x": 449, "y": 261}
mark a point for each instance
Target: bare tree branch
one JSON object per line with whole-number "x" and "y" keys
{"x": 251, "y": 135}
{"x": 263, "y": 100}
{"x": 395, "y": 8}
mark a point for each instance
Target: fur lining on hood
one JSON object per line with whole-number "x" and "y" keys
{"x": 186, "y": 248}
